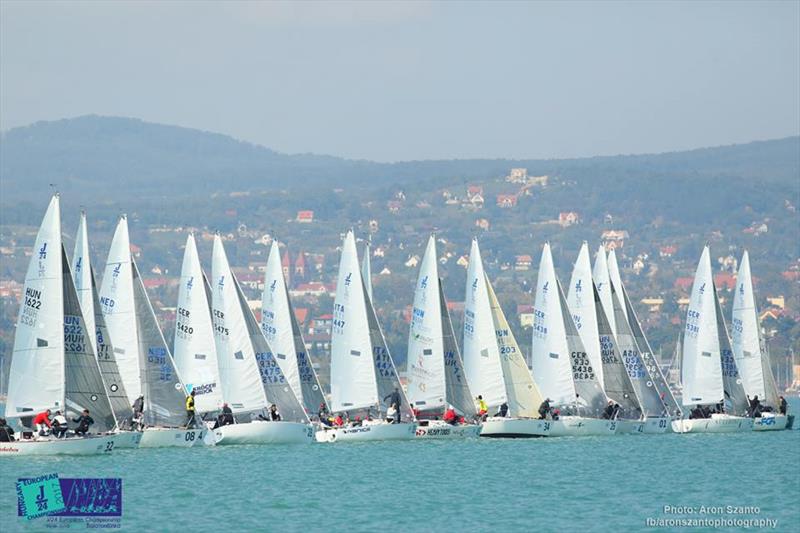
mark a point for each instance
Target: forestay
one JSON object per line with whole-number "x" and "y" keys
{"x": 240, "y": 378}
{"x": 83, "y": 384}
{"x": 36, "y": 376}
{"x": 481, "y": 353}
{"x": 195, "y": 351}
{"x": 523, "y": 395}
{"x": 550, "y": 356}
{"x": 353, "y": 382}
{"x": 164, "y": 394}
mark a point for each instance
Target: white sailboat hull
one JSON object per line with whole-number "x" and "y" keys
{"x": 438, "y": 429}
{"x": 578, "y": 426}
{"x": 515, "y": 428}
{"x": 172, "y": 438}
{"x": 368, "y": 432}
{"x": 260, "y": 432}
{"x": 128, "y": 439}
{"x": 94, "y": 445}
{"x": 768, "y": 422}
{"x": 718, "y": 423}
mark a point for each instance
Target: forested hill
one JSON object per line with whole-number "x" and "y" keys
{"x": 102, "y": 156}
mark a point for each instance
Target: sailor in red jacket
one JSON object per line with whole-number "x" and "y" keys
{"x": 450, "y": 416}
{"x": 42, "y": 421}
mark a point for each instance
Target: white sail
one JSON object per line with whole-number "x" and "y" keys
{"x": 550, "y": 354}
{"x": 366, "y": 271}
{"x": 603, "y": 283}
{"x": 456, "y": 387}
{"x": 426, "y": 360}
{"x": 240, "y": 377}
{"x": 195, "y": 351}
{"x": 745, "y": 334}
{"x": 616, "y": 280}
{"x": 580, "y": 299}
{"x": 81, "y": 269}
{"x": 735, "y": 398}
{"x": 119, "y": 311}
{"x": 353, "y": 381}
{"x": 36, "y": 376}
{"x": 481, "y": 353}
{"x": 523, "y": 395}
{"x": 701, "y": 369}
{"x": 276, "y": 320}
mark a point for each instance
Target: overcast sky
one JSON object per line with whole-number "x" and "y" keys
{"x": 416, "y": 80}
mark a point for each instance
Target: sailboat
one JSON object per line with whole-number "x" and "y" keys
{"x": 363, "y": 373}
{"x": 652, "y": 390}
{"x": 194, "y": 348}
{"x": 709, "y": 373}
{"x": 280, "y": 327}
{"x": 250, "y": 377}
{"x": 561, "y": 366}
{"x": 493, "y": 362}
{"x": 86, "y": 288}
{"x": 142, "y": 355}
{"x": 751, "y": 359}
{"x": 436, "y": 378}
{"x": 53, "y": 365}
{"x": 608, "y": 359}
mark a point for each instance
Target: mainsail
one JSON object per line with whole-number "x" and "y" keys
{"x": 523, "y": 395}
{"x": 616, "y": 279}
{"x": 36, "y": 376}
{"x": 194, "y": 350}
{"x": 353, "y": 379}
{"x": 83, "y": 384}
{"x": 481, "y": 353}
{"x": 240, "y": 377}
{"x": 276, "y": 386}
{"x": 619, "y": 362}
{"x": 164, "y": 393}
{"x": 701, "y": 369}
{"x": 456, "y": 387}
{"x": 117, "y": 305}
{"x": 751, "y": 360}
{"x": 731, "y": 382}
{"x": 550, "y": 355}
{"x": 427, "y": 388}
{"x": 584, "y": 311}
{"x": 282, "y": 332}
{"x": 81, "y": 268}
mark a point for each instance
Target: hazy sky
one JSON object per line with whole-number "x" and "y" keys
{"x": 416, "y": 80}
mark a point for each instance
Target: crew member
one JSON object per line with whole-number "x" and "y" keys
{"x": 84, "y": 421}
{"x": 544, "y": 409}
{"x": 483, "y": 409}
{"x": 191, "y": 421}
{"x": 42, "y": 422}
{"x": 6, "y": 432}
{"x": 59, "y": 425}
{"x": 608, "y": 412}
{"x": 782, "y": 405}
{"x": 274, "y": 415}
{"x": 450, "y": 416}
{"x": 503, "y": 410}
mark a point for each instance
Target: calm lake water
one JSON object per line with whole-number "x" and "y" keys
{"x": 566, "y": 484}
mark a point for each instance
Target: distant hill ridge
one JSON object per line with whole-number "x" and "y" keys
{"x": 103, "y": 155}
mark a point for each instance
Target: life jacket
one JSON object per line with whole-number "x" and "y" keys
{"x": 190, "y": 403}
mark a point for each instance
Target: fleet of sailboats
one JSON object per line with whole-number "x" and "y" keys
{"x": 593, "y": 371}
